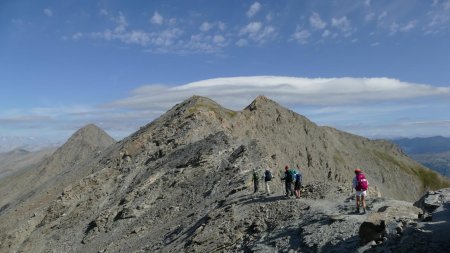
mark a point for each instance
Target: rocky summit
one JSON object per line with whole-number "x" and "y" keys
{"x": 183, "y": 183}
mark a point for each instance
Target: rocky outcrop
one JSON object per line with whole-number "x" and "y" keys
{"x": 403, "y": 232}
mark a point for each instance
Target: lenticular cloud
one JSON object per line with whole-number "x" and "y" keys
{"x": 237, "y": 92}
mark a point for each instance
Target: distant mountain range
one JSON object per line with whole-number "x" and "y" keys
{"x": 433, "y": 152}
{"x": 9, "y": 143}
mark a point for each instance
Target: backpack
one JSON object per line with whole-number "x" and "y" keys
{"x": 361, "y": 182}
{"x": 291, "y": 175}
{"x": 298, "y": 177}
{"x": 268, "y": 175}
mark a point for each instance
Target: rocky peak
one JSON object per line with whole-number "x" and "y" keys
{"x": 262, "y": 101}
{"x": 80, "y": 146}
{"x": 90, "y": 135}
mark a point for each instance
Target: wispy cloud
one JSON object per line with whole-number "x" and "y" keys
{"x": 344, "y": 25}
{"x": 254, "y": 8}
{"x": 205, "y": 26}
{"x": 157, "y": 19}
{"x": 316, "y": 22}
{"x": 395, "y": 28}
{"x": 48, "y": 12}
{"x": 187, "y": 35}
{"x": 257, "y": 32}
{"x": 301, "y": 36}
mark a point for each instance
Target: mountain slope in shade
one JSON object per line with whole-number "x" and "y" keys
{"x": 180, "y": 183}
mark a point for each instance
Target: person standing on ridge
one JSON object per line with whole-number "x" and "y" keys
{"x": 360, "y": 184}
{"x": 288, "y": 179}
{"x": 267, "y": 178}
{"x": 298, "y": 183}
{"x": 255, "y": 179}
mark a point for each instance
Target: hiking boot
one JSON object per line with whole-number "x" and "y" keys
{"x": 364, "y": 210}
{"x": 357, "y": 210}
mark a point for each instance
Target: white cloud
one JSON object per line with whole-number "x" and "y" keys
{"x": 242, "y": 43}
{"x": 251, "y": 28}
{"x": 48, "y": 12}
{"x": 447, "y": 5}
{"x": 394, "y": 27}
{"x": 409, "y": 26}
{"x": 121, "y": 23}
{"x": 77, "y": 36}
{"x": 166, "y": 37}
{"x": 136, "y": 37}
{"x": 236, "y": 92}
{"x": 343, "y": 24}
{"x": 257, "y": 32}
{"x": 157, "y": 19}
{"x": 301, "y": 36}
{"x": 316, "y": 22}
{"x": 326, "y": 34}
{"x": 438, "y": 18}
{"x": 222, "y": 26}
{"x": 218, "y": 39}
{"x": 382, "y": 15}
{"x": 205, "y": 26}
{"x": 204, "y": 43}
{"x": 254, "y": 8}
{"x": 104, "y": 12}
{"x": 369, "y": 17}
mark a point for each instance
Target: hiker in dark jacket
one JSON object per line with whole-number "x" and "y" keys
{"x": 298, "y": 183}
{"x": 267, "y": 178}
{"x": 255, "y": 179}
{"x": 288, "y": 182}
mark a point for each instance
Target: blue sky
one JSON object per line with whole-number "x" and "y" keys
{"x": 374, "y": 68}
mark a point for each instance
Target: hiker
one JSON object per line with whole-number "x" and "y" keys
{"x": 255, "y": 181}
{"x": 267, "y": 178}
{"x": 360, "y": 184}
{"x": 298, "y": 183}
{"x": 288, "y": 179}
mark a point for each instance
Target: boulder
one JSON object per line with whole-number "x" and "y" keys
{"x": 388, "y": 221}
{"x": 433, "y": 200}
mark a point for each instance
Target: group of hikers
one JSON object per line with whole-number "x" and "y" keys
{"x": 293, "y": 177}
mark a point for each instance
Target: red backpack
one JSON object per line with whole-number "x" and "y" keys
{"x": 361, "y": 182}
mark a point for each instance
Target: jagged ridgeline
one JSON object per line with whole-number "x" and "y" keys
{"x": 156, "y": 189}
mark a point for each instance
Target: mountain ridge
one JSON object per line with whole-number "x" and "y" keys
{"x": 32, "y": 188}
{"x": 169, "y": 185}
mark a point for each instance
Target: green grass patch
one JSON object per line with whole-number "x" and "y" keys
{"x": 430, "y": 180}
